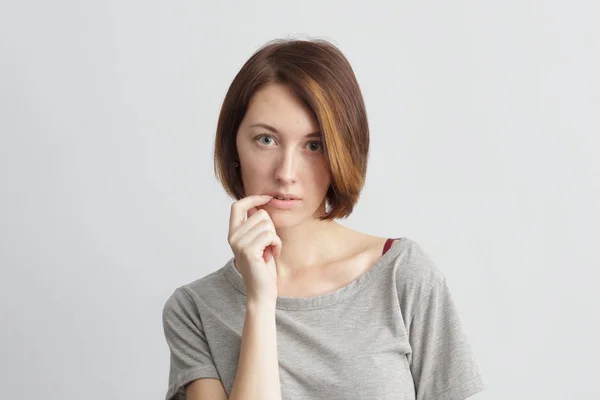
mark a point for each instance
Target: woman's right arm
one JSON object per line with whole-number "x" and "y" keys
{"x": 255, "y": 245}
{"x": 257, "y": 375}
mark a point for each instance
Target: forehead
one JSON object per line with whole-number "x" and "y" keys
{"x": 278, "y": 106}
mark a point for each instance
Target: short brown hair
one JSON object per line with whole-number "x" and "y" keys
{"x": 321, "y": 76}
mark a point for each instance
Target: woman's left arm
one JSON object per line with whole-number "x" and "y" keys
{"x": 442, "y": 362}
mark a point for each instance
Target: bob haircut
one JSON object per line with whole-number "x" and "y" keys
{"x": 321, "y": 76}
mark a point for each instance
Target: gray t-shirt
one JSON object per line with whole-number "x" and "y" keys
{"x": 393, "y": 333}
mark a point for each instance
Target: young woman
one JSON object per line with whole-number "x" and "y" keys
{"x": 307, "y": 308}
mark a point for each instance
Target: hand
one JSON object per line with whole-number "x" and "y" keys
{"x": 255, "y": 246}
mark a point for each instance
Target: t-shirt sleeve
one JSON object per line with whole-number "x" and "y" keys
{"x": 190, "y": 356}
{"x": 442, "y": 363}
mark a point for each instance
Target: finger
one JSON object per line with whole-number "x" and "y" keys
{"x": 277, "y": 251}
{"x": 274, "y": 251}
{"x": 268, "y": 254}
{"x": 251, "y": 229}
{"x": 254, "y": 247}
{"x": 265, "y": 240}
{"x": 258, "y": 222}
{"x": 252, "y": 211}
{"x": 240, "y": 208}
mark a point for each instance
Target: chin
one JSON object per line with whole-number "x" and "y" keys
{"x": 282, "y": 221}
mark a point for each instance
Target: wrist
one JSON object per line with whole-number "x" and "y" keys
{"x": 255, "y": 304}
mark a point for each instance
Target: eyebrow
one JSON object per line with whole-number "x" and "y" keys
{"x": 270, "y": 128}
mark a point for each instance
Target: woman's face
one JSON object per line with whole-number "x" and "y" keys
{"x": 280, "y": 150}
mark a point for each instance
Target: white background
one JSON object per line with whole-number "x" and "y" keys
{"x": 484, "y": 122}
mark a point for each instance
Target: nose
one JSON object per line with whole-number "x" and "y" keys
{"x": 287, "y": 169}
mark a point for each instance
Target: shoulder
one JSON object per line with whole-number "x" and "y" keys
{"x": 198, "y": 291}
{"x": 414, "y": 265}
{"x": 417, "y": 277}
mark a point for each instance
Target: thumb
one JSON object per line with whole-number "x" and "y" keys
{"x": 268, "y": 254}
{"x": 252, "y": 211}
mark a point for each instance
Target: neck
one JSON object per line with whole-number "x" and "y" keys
{"x": 307, "y": 246}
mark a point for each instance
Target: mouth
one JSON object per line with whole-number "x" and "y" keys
{"x": 282, "y": 203}
{"x": 284, "y": 197}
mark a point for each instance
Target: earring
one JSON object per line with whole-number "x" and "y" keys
{"x": 237, "y": 164}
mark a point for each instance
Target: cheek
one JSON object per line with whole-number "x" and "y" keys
{"x": 253, "y": 172}
{"x": 325, "y": 183}
{"x": 248, "y": 156}
{"x": 321, "y": 177}
{"x": 254, "y": 165}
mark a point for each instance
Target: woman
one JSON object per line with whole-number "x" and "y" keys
{"x": 307, "y": 308}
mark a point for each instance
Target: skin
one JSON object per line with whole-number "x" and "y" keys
{"x": 290, "y": 162}
{"x": 316, "y": 256}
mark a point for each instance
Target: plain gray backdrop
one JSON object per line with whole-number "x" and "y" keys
{"x": 484, "y": 122}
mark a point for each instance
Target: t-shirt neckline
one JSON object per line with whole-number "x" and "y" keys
{"x": 327, "y": 299}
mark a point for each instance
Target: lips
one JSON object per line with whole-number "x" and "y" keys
{"x": 282, "y": 196}
{"x": 282, "y": 204}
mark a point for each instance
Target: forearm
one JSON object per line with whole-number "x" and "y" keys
{"x": 257, "y": 375}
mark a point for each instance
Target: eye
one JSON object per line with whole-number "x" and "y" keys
{"x": 312, "y": 146}
{"x": 263, "y": 137}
